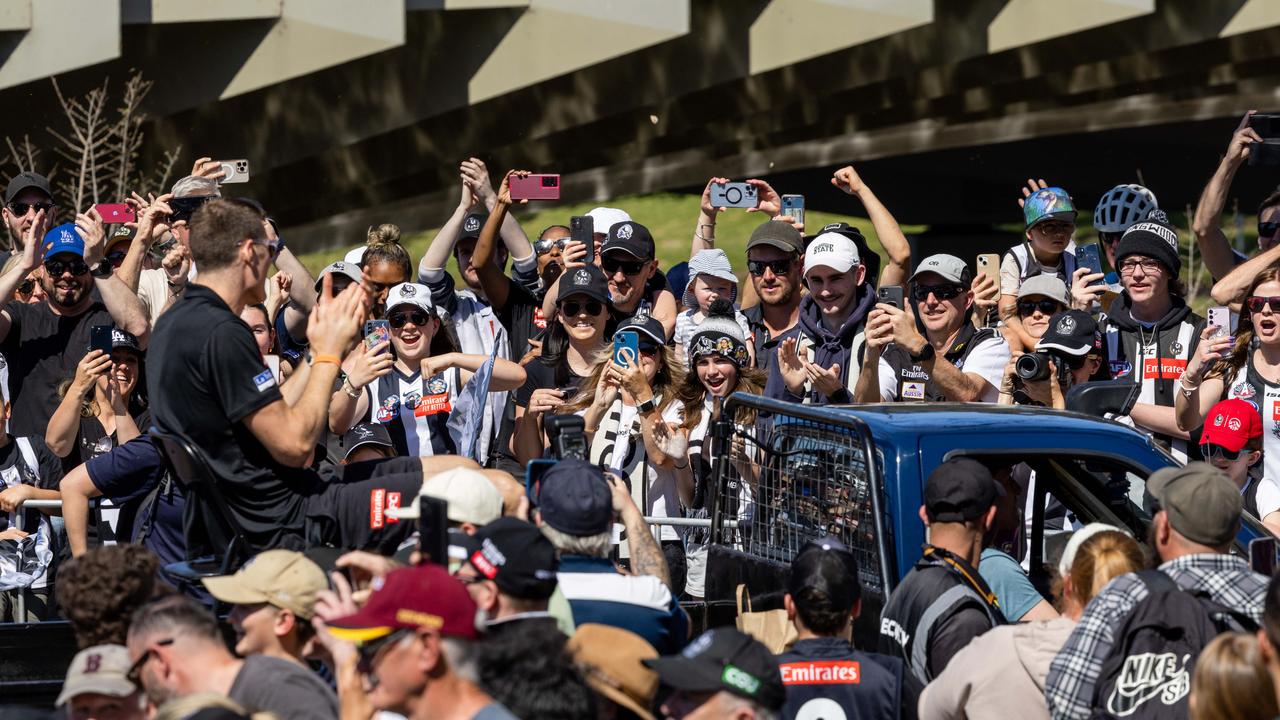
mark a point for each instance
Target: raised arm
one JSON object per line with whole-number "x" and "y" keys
{"x": 64, "y": 425}
{"x": 151, "y": 214}
{"x": 1231, "y": 289}
{"x": 1197, "y": 392}
{"x": 646, "y": 554}
{"x": 1214, "y": 248}
{"x": 494, "y": 282}
{"x": 704, "y": 233}
{"x": 10, "y": 281}
{"x": 123, "y": 304}
{"x": 887, "y": 229}
{"x": 506, "y": 374}
{"x": 437, "y": 255}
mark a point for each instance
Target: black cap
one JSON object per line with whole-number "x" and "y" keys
{"x": 827, "y": 569}
{"x": 647, "y": 325}
{"x": 26, "y": 180}
{"x": 589, "y": 281}
{"x": 1071, "y": 332}
{"x": 517, "y": 557}
{"x": 472, "y": 224}
{"x": 366, "y": 434}
{"x": 631, "y": 238}
{"x": 958, "y": 490}
{"x": 574, "y": 498}
{"x": 724, "y": 659}
{"x": 124, "y": 340}
{"x": 869, "y": 258}
{"x": 776, "y": 234}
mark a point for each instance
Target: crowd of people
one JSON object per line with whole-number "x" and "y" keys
{"x": 557, "y": 395}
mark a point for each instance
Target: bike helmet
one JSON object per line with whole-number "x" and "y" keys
{"x": 1122, "y": 206}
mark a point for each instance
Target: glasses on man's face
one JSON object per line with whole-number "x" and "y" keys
{"x": 400, "y": 319}
{"x": 542, "y": 247}
{"x": 613, "y": 265}
{"x": 573, "y": 308}
{"x": 184, "y": 207}
{"x": 20, "y": 208}
{"x": 135, "y": 670}
{"x": 1148, "y": 265}
{"x": 26, "y": 287}
{"x": 116, "y": 258}
{"x": 1048, "y": 307}
{"x": 56, "y": 268}
{"x": 779, "y": 267}
{"x": 1213, "y": 451}
{"x": 272, "y": 246}
{"x": 1267, "y": 229}
{"x": 1056, "y": 228}
{"x": 942, "y": 291}
{"x": 369, "y": 652}
{"x": 1257, "y": 302}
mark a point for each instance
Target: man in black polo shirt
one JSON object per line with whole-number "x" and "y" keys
{"x": 44, "y": 342}
{"x": 208, "y": 383}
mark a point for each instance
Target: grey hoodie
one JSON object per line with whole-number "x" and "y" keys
{"x": 1000, "y": 675}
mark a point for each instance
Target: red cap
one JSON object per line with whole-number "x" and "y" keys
{"x": 425, "y": 596}
{"x": 1231, "y": 424}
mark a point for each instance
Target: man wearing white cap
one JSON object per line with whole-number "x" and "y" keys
{"x": 818, "y": 360}
{"x": 932, "y": 352}
{"x": 97, "y": 686}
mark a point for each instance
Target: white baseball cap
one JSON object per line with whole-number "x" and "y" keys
{"x": 471, "y": 496}
{"x": 355, "y": 255}
{"x": 831, "y": 250}
{"x": 410, "y": 294}
{"x": 606, "y": 217}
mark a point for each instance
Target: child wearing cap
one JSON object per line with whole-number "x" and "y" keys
{"x": 1231, "y": 441}
{"x": 710, "y": 278}
{"x": 1050, "y": 218}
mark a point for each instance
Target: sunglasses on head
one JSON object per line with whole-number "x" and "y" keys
{"x": 572, "y": 308}
{"x": 57, "y": 267}
{"x": 613, "y": 265}
{"x": 21, "y": 208}
{"x": 1213, "y": 451}
{"x": 1257, "y": 302}
{"x": 542, "y": 247}
{"x": 400, "y": 319}
{"x": 1048, "y": 307}
{"x": 1267, "y": 229}
{"x": 943, "y": 291}
{"x": 757, "y": 267}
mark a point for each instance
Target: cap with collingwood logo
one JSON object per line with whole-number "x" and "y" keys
{"x": 472, "y": 224}
{"x": 724, "y": 659}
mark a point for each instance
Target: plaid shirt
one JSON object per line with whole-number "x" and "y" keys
{"x": 1069, "y": 688}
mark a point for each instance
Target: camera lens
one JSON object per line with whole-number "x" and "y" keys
{"x": 1033, "y": 366}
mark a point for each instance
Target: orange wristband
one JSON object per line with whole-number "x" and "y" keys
{"x": 333, "y": 359}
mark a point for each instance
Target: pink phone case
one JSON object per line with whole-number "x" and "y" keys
{"x": 535, "y": 187}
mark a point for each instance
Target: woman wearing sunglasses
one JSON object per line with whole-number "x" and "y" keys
{"x": 103, "y": 406}
{"x": 1039, "y": 299}
{"x": 632, "y": 418}
{"x": 719, "y": 364}
{"x": 411, "y": 386}
{"x": 576, "y": 337}
{"x": 1246, "y": 366}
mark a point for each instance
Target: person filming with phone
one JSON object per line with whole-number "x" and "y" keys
{"x": 939, "y": 357}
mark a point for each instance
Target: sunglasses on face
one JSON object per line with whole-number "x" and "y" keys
{"x": 779, "y": 267}
{"x": 1213, "y": 451}
{"x": 20, "y": 208}
{"x": 272, "y": 246}
{"x": 417, "y": 317}
{"x": 542, "y": 247}
{"x": 649, "y": 349}
{"x": 1056, "y": 228}
{"x": 135, "y": 671}
{"x": 369, "y": 651}
{"x": 573, "y": 308}
{"x": 1257, "y": 302}
{"x": 26, "y": 286}
{"x": 1048, "y": 307}
{"x": 185, "y": 207}
{"x": 1267, "y": 229}
{"x": 613, "y": 265}
{"x": 116, "y": 258}
{"x": 945, "y": 291}
{"x": 55, "y": 268}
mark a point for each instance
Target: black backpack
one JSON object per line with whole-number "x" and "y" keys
{"x": 1148, "y": 672}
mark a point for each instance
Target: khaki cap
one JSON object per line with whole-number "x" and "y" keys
{"x": 1203, "y": 505}
{"x": 610, "y": 660}
{"x": 284, "y": 578}
{"x": 101, "y": 669}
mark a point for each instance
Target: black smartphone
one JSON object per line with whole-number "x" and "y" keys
{"x": 433, "y": 530}
{"x": 582, "y": 228}
{"x": 1262, "y": 556}
{"x": 1267, "y": 126}
{"x": 100, "y": 338}
{"x": 890, "y": 295}
{"x": 1089, "y": 255}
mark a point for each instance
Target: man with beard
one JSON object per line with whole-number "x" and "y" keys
{"x": 45, "y": 342}
{"x": 775, "y": 254}
{"x": 26, "y": 195}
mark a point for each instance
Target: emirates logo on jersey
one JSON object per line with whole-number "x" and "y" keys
{"x": 827, "y": 672}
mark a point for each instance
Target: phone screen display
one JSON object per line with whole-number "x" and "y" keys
{"x": 376, "y": 331}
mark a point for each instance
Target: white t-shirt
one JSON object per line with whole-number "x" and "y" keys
{"x": 987, "y": 360}
{"x": 1011, "y": 275}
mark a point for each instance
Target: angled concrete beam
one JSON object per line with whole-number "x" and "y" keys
{"x": 144, "y": 12}
{"x": 789, "y": 31}
{"x": 315, "y": 34}
{"x": 15, "y": 14}
{"x": 1253, "y": 15}
{"x": 554, "y": 37}
{"x": 63, "y": 35}
{"x": 463, "y": 4}
{"x": 1026, "y": 22}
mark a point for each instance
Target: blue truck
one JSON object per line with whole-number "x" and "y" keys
{"x": 815, "y": 479}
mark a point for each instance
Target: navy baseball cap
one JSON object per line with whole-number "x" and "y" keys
{"x": 575, "y": 498}
{"x": 63, "y": 239}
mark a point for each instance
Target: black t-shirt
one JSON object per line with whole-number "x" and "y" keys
{"x": 204, "y": 377}
{"x": 540, "y": 375}
{"x": 522, "y": 317}
{"x": 43, "y": 349}
{"x": 47, "y": 475}
{"x": 92, "y": 440}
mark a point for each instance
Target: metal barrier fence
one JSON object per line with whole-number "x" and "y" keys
{"x": 20, "y": 606}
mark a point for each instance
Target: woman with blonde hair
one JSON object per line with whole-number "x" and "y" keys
{"x": 1231, "y": 682}
{"x": 1001, "y": 674}
{"x": 181, "y": 708}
